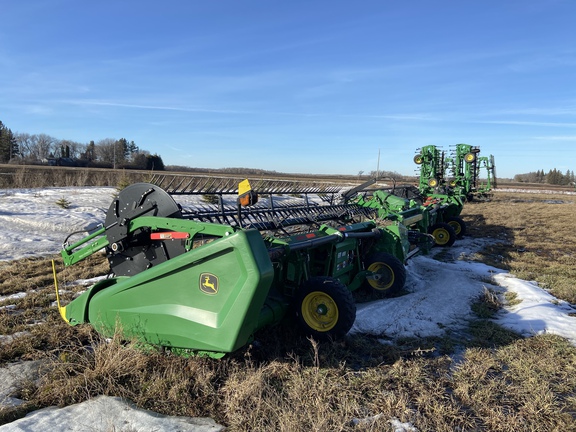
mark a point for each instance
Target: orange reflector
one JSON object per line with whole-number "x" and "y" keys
{"x": 169, "y": 235}
{"x": 245, "y": 200}
{"x": 248, "y": 199}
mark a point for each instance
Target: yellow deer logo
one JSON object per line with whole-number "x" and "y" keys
{"x": 208, "y": 283}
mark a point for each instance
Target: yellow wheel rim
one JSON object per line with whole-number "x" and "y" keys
{"x": 456, "y": 226}
{"x": 470, "y": 157}
{"x": 433, "y": 182}
{"x": 384, "y": 276}
{"x": 319, "y": 311}
{"x": 441, "y": 236}
{"x": 418, "y": 159}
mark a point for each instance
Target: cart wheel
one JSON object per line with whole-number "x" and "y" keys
{"x": 433, "y": 182}
{"x": 389, "y": 274}
{"x": 443, "y": 234}
{"x": 418, "y": 159}
{"x": 325, "y": 308}
{"x": 469, "y": 157}
{"x": 453, "y": 183}
{"x": 458, "y": 225}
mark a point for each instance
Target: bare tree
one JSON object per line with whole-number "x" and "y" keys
{"x": 26, "y": 143}
{"x": 44, "y": 147}
{"x": 105, "y": 150}
{"x": 140, "y": 159}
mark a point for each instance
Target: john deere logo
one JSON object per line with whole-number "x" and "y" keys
{"x": 208, "y": 283}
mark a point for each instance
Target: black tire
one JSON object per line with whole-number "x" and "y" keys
{"x": 389, "y": 274}
{"x": 324, "y": 308}
{"x": 469, "y": 157}
{"x": 443, "y": 234}
{"x": 458, "y": 225}
{"x": 418, "y": 160}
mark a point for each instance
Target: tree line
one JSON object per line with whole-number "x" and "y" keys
{"x": 34, "y": 149}
{"x": 553, "y": 176}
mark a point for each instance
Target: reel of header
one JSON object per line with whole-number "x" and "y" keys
{"x": 128, "y": 252}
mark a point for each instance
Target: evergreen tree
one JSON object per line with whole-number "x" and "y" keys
{"x": 14, "y": 147}
{"x": 4, "y": 145}
{"x": 154, "y": 163}
{"x": 133, "y": 150}
{"x": 140, "y": 160}
{"x": 90, "y": 152}
{"x": 554, "y": 177}
{"x": 64, "y": 151}
{"x": 121, "y": 152}
{"x": 8, "y": 144}
{"x": 72, "y": 149}
{"x": 125, "y": 151}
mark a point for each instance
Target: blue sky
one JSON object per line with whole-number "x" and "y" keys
{"x": 297, "y": 86}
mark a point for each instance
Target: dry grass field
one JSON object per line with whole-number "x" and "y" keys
{"x": 534, "y": 237}
{"x": 496, "y": 381}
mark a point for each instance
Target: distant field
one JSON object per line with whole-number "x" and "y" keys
{"x": 33, "y": 176}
